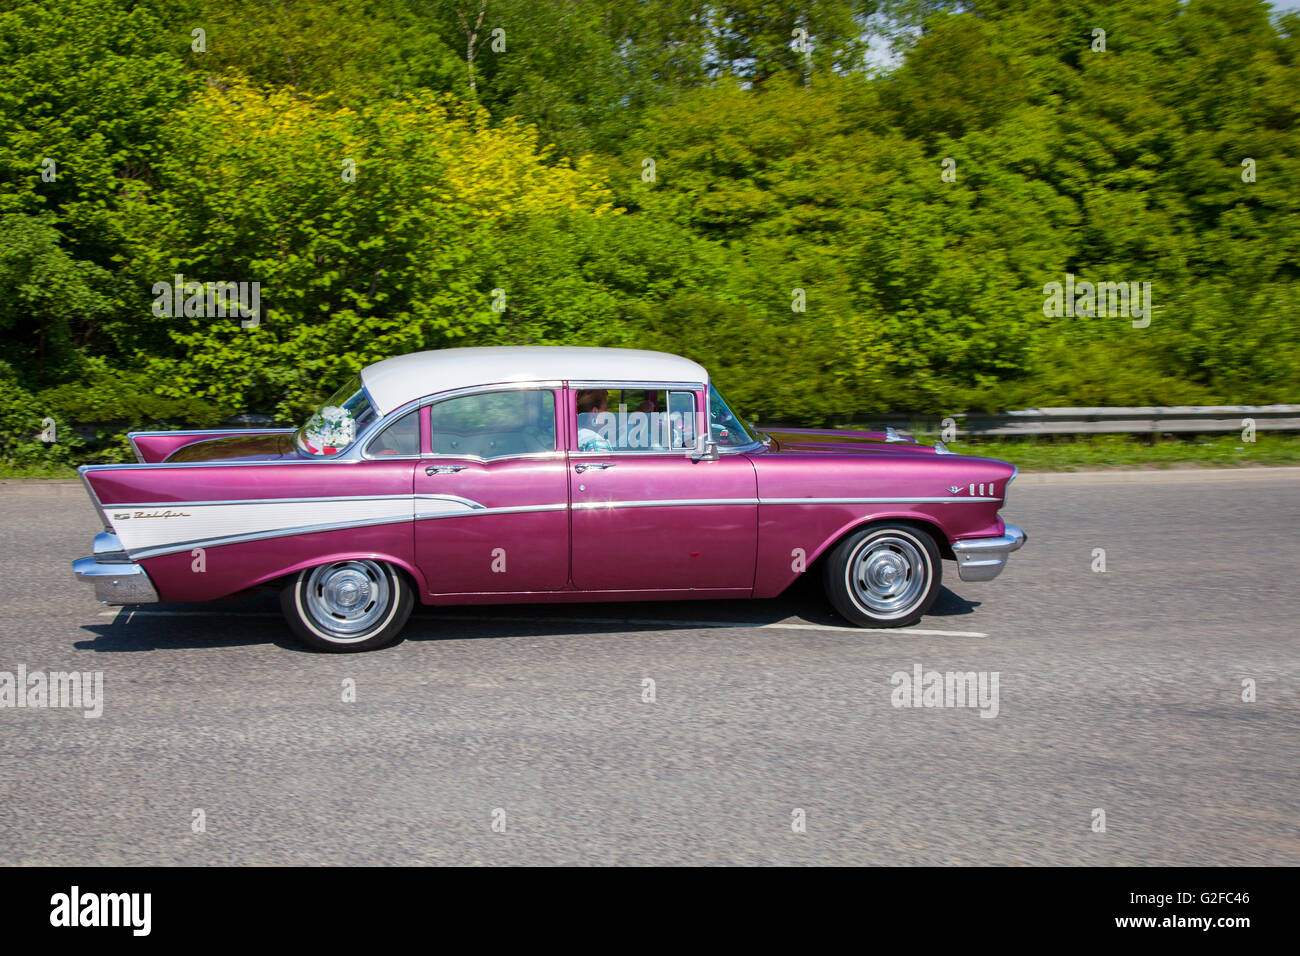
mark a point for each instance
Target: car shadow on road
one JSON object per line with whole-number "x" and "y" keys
{"x": 801, "y": 606}
{"x": 257, "y": 620}
{"x": 235, "y": 623}
{"x": 951, "y": 605}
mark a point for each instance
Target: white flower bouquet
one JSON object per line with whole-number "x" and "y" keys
{"x": 331, "y": 429}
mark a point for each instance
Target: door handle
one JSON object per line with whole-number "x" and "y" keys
{"x": 602, "y": 465}
{"x": 443, "y": 469}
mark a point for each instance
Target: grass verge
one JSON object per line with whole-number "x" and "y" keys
{"x": 1099, "y": 452}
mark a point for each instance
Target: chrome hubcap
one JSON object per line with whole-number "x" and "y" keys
{"x": 347, "y": 598}
{"x": 889, "y": 575}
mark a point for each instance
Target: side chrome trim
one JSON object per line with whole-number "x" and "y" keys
{"x": 467, "y": 502}
{"x": 277, "y": 462}
{"x": 686, "y": 502}
{"x": 946, "y": 500}
{"x": 255, "y": 501}
{"x": 982, "y": 559}
{"x": 481, "y": 510}
{"x": 661, "y": 503}
{"x": 211, "y": 431}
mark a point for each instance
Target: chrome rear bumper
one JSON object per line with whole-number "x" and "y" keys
{"x": 117, "y": 579}
{"x": 982, "y": 559}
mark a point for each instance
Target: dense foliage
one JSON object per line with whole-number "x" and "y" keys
{"x": 831, "y": 236}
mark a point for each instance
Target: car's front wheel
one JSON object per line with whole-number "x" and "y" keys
{"x": 347, "y": 606}
{"x": 886, "y": 575}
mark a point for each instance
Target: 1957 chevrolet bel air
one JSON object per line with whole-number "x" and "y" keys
{"x": 495, "y": 475}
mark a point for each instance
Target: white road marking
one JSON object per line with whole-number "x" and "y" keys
{"x": 864, "y": 630}
{"x": 128, "y": 615}
{"x": 1159, "y": 475}
{"x": 631, "y": 622}
{"x": 800, "y": 626}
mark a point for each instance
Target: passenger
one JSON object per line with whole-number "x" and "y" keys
{"x": 592, "y": 404}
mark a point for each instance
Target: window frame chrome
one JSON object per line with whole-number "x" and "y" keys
{"x": 410, "y": 408}
{"x": 758, "y": 444}
{"x": 541, "y": 386}
{"x": 697, "y": 389}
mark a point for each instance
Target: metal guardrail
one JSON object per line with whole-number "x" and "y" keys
{"x": 1143, "y": 420}
{"x": 1028, "y": 422}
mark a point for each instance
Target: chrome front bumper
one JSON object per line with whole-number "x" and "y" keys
{"x": 117, "y": 579}
{"x": 982, "y": 559}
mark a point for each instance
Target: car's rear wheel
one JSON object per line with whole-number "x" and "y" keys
{"x": 887, "y": 575}
{"x": 348, "y": 606}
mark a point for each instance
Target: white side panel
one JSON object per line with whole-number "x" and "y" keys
{"x": 156, "y": 526}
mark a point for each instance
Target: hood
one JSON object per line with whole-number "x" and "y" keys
{"x": 834, "y": 441}
{"x": 273, "y": 447}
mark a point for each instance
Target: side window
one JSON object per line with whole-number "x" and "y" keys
{"x": 635, "y": 419}
{"x": 402, "y": 438}
{"x": 494, "y": 424}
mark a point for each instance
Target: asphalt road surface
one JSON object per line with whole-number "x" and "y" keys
{"x": 1118, "y": 691}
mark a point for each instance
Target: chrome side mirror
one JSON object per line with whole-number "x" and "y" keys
{"x": 708, "y": 453}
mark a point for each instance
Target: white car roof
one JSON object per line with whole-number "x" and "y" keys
{"x": 396, "y": 381}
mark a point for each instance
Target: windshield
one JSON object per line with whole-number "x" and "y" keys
{"x": 338, "y": 422}
{"x": 725, "y": 427}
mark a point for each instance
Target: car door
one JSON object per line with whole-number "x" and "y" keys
{"x": 649, "y": 513}
{"x": 491, "y": 492}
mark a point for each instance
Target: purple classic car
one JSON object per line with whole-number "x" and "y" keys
{"x": 498, "y": 475}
